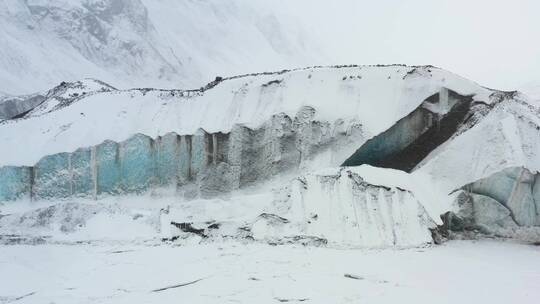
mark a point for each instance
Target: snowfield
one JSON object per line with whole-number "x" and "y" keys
{"x": 231, "y": 272}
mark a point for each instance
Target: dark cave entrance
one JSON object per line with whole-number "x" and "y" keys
{"x": 404, "y": 145}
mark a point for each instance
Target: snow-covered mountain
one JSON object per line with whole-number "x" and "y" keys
{"x": 140, "y": 43}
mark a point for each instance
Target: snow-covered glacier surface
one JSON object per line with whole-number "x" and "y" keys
{"x": 258, "y": 144}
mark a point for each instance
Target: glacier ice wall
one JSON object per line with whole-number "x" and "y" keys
{"x": 504, "y": 204}
{"x": 16, "y": 182}
{"x": 52, "y": 176}
{"x": 516, "y": 189}
{"x": 197, "y": 165}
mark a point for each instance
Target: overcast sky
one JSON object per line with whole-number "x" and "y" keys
{"x": 494, "y": 42}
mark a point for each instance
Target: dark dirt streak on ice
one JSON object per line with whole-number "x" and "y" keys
{"x": 291, "y": 300}
{"x": 352, "y": 276}
{"x": 15, "y": 299}
{"x": 176, "y": 286}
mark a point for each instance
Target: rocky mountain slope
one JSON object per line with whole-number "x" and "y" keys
{"x": 13, "y": 106}
{"x": 143, "y": 43}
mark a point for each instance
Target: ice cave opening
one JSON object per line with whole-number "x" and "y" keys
{"x": 404, "y": 145}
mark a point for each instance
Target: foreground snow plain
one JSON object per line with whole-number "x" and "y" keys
{"x": 231, "y": 272}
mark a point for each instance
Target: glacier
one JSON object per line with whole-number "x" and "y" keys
{"x": 273, "y": 134}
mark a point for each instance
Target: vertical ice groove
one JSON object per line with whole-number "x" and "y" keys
{"x": 167, "y": 159}
{"x": 184, "y": 161}
{"x": 70, "y": 169}
{"x": 81, "y": 172}
{"x": 214, "y": 148}
{"x": 93, "y": 166}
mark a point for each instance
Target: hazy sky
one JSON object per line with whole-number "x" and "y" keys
{"x": 495, "y": 42}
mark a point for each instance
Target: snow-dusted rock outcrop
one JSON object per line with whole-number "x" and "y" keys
{"x": 13, "y": 106}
